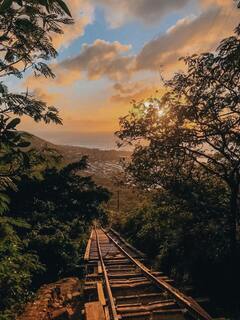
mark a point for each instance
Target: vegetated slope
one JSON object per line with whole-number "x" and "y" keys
{"x": 74, "y": 153}
{"x": 104, "y": 166}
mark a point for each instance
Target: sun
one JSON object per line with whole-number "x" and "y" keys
{"x": 161, "y": 110}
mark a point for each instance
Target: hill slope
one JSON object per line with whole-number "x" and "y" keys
{"x": 103, "y": 162}
{"x": 104, "y": 166}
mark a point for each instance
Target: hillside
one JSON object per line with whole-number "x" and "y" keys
{"x": 72, "y": 153}
{"x": 104, "y": 166}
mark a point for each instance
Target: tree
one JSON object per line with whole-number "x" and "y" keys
{"x": 17, "y": 268}
{"x": 195, "y": 124}
{"x": 25, "y": 43}
{"x": 59, "y": 206}
{"x": 61, "y": 193}
{"x": 26, "y": 30}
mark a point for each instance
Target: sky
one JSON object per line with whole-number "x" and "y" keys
{"x": 115, "y": 52}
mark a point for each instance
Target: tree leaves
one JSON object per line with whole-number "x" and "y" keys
{"x": 64, "y": 7}
{"x": 13, "y": 123}
{"x": 23, "y": 144}
{"x": 5, "y": 5}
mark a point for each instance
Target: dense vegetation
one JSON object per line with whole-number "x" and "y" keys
{"x": 187, "y": 151}
{"x": 46, "y": 208}
{"x": 44, "y": 231}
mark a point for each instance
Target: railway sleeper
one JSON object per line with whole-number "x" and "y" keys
{"x": 124, "y": 276}
{"x": 136, "y": 274}
{"x": 117, "y": 265}
{"x": 135, "y": 281}
{"x": 122, "y": 267}
{"x": 116, "y": 262}
{"x": 143, "y": 298}
{"x": 145, "y": 287}
{"x": 157, "y": 305}
{"x": 139, "y": 278}
{"x": 155, "y": 301}
{"x": 137, "y": 316}
{"x": 173, "y": 314}
{"x": 128, "y": 280}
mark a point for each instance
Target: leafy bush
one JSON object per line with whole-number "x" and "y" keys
{"x": 45, "y": 233}
{"x": 59, "y": 247}
{"x": 17, "y": 268}
{"x": 185, "y": 234}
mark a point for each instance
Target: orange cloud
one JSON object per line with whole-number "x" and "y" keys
{"x": 188, "y": 36}
{"x": 129, "y": 91}
{"x": 82, "y": 12}
{"x": 45, "y": 96}
{"x": 147, "y": 11}
{"x": 102, "y": 58}
{"x": 114, "y": 61}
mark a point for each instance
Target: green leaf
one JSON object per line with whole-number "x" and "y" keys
{"x": 6, "y": 4}
{"x": 4, "y": 38}
{"x": 3, "y": 88}
{"x": 13, "y": 123}
{"x": 23, "y": 144}
{"x": 4, "y": 202}
{"x": 63, "y": 5}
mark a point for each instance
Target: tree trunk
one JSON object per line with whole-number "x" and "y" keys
{"x": 233, "y": 222}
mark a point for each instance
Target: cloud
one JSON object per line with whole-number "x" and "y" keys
{"x": 133, "y": 77}
{"x": 135, "y": 90}
{"x": 83, "y": 13}
{"x": 148, "y": 11}
{"x": 220, "y": 3}
{"x": 102, "y": 59}
{"x": 189, "y": 35}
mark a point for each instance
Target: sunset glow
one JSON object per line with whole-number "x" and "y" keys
{"x": 114, "y": 53}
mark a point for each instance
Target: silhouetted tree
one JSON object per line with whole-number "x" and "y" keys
{"x": 195, "y": 124}
{"x": 26, "y": 34}
{"x": 61, "y": 193}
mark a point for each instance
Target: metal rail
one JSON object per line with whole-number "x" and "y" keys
{"x": 186, "y": 302}
{"x": 109, "y": 291}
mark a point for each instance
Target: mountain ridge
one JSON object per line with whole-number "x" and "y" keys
{"x": 73, "y": 153}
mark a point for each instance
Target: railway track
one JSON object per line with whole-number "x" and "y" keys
{"x": 119, "y": 286}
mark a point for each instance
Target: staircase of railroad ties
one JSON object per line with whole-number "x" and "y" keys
{"x": 119, "y": 286}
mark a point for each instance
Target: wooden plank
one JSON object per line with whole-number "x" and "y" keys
{"x": 107, "y": 315}
{"x": 87, "y": 252}
{"x": 94, "y": 311}
{"x": 99, "y": 268}
{"x": 101, "y": 296}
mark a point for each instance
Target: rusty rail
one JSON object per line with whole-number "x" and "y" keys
{"x": 196, "y": 311}
{"x": 109, "y": 291}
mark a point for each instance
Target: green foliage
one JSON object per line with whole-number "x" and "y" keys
{"x": 31, "y": 24}
{"x": 25, "y": 43}
{"x": 45, "y": 233}
{"x": 195, "y": 124}
{"x": 59, "y": 247}
{"x": 186, "y": 152}
{"x": 186, "y": 234}
{"x": 41, "y": 238}
{"x": 17, "y": 268}
{"x": 62, "y": 192}
{"x": 59, "y": 206}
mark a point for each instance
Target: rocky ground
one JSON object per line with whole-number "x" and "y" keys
{"x": 59, "y": 301}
